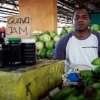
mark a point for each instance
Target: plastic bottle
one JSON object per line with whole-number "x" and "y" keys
{"x": 2, "y": 46}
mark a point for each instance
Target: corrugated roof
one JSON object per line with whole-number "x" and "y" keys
{"x": 66, "y": 7}
{"x": 8, "y": 8}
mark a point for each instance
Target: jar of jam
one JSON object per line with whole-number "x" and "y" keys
{"x": 28, "y": 51}
{"x": 14, "y": 46}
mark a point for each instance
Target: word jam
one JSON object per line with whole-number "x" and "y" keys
{"x": 17, "y": 30}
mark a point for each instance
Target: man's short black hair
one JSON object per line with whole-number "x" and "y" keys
{"x": 81, "y": 7}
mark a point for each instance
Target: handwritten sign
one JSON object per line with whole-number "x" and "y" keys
{"x": 19, "y": 26}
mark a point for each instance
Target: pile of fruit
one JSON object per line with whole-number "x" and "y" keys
{"x": 87, "y": 88}
{"x": 46, "y": 42}
{"x": 95, "y": 27}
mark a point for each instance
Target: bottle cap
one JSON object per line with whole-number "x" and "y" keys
{"x": 13, "y": 39}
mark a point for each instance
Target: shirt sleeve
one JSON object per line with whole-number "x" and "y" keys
{"x": 98, "y": 36}
{"x": 60, "y": 52}
{"x": 58, "y": 55}
{"x": 60, "y": 49}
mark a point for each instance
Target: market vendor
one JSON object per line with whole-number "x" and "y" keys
{"x": 80, "y": 47}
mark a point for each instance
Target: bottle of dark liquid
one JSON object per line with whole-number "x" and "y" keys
{"x": 2, "y": 32}
{"x": 2, "y": 46}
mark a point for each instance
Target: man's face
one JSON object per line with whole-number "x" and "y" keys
{"x": 81, "y": 20}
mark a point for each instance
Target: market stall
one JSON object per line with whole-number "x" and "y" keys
{"x": 29, "y": 82}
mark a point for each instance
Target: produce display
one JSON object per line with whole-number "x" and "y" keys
{"x": 46, "y": 42}
{"x": 87, "y": 88}
{"x": 95, "y": 27}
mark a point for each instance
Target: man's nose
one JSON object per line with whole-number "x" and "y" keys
{"x": 80, "y": 19}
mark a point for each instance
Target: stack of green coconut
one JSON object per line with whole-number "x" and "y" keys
{"x": 46, "y": 42}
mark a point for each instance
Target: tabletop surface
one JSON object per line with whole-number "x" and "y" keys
{"x": 23, "y": 68}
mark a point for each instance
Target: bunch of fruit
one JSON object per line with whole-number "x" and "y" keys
{"x": 87, "y": 88}
{"x": 46, "y": 42}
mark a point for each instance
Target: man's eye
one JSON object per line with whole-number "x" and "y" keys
{"x": 76, "y": 17}
{"x": 85, "y": 17}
